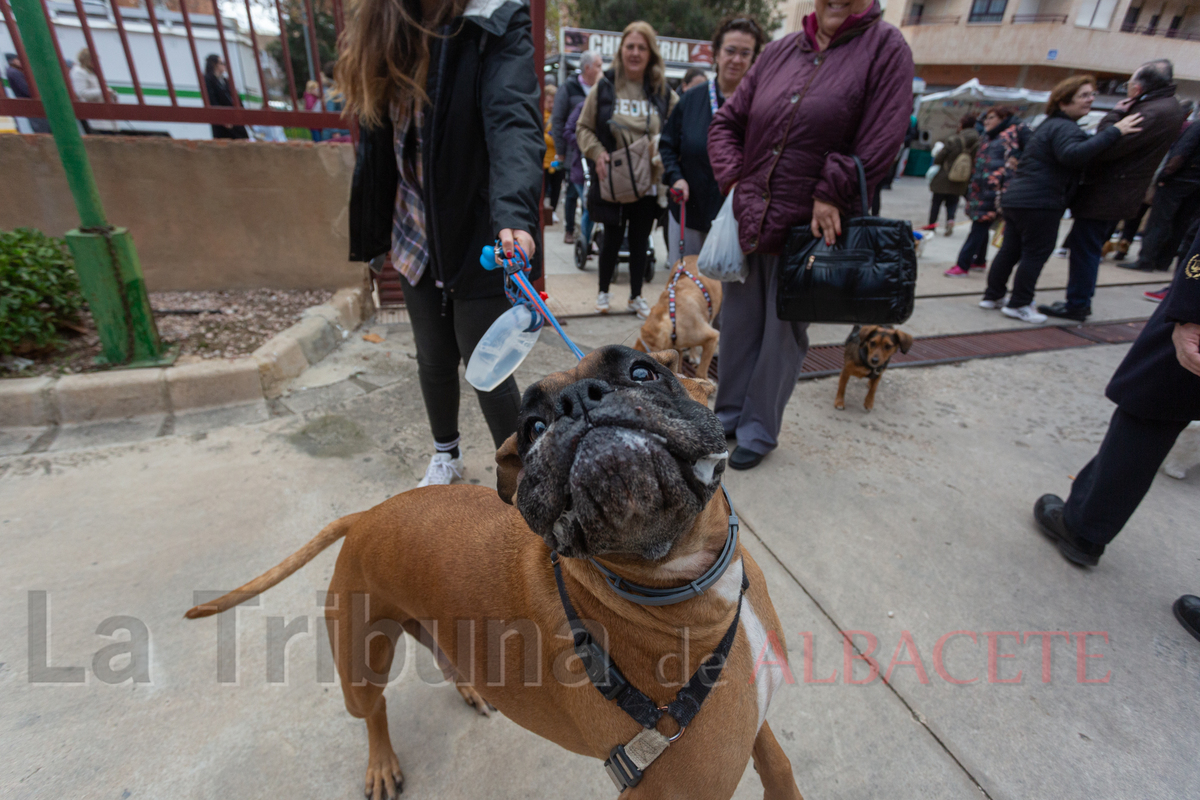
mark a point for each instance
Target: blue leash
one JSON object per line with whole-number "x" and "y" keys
{"x": 519, "y": 290}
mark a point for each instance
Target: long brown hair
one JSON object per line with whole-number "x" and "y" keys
{"x": 384, "y": 54}
{"x": 655, "y": 77}
{"x": 1064, "y": 91}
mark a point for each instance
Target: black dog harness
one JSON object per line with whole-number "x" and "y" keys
{"x": 679, "y": 273}
{"x": 627, "y": 763}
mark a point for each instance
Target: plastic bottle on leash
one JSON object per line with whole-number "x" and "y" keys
{"x": 502, "y": 349}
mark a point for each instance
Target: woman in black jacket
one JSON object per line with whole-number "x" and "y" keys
{"x": 449, "y": 159}
{"x": 684, "y": 141}
{"x": 1034, "y": 200}
{"x": 216, "y": 83}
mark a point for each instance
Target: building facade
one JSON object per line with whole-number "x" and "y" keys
{"x": 1033, "y": 44}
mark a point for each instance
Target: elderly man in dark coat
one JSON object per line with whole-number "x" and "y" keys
{"x": 1157, "y": 392}
{"x": 1115, "y": 183}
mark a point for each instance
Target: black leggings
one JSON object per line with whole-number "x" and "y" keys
{"x": 1029, "y": 238}
{"x": 951, "y": 203}
{"x": 640, "y": 216}
{"x": 442, "y": 342}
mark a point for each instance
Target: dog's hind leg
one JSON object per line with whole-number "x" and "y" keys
{"x": 773, "y": 767}
{"x": 364, "y": 676}
{"x": 706, "y": 354}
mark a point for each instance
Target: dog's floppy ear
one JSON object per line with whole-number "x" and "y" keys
{"x": 904, "y": 339}
{"x": 698, "y": 389}
{"x": 853, "y": 337}
{"x": 508, "y": 469}
{"x": 668, "y": 358}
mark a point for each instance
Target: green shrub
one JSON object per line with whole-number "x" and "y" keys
{"x": 38, "y": 288}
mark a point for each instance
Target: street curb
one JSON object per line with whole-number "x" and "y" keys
{"x": 121, "y": 394}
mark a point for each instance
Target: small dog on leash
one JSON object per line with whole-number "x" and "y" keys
{"x": 683, "y": 316}
{"x": 1185, "y": 454}
{"x": 868, "y": 351}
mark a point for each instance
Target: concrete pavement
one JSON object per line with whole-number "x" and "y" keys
{"x": 910, "y": 524}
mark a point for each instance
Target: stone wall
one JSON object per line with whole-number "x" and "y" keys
{"x": 204, "y": 214}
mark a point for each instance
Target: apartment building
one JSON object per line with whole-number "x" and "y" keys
{"x": 1034, "y": 44}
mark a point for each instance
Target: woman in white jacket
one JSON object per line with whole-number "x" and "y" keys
{"x": 87, "y": 89}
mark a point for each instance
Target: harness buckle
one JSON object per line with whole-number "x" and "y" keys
{"x": 621, "y": 769}
{"x": 601, "y": 670}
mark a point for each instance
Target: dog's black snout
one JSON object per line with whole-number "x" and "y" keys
{"x": 874, "y": 359}
{"x": 581, "y": 397}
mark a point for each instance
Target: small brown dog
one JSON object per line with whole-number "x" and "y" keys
{"x": 691, "y": 325}
{"x": 868, "y": 351}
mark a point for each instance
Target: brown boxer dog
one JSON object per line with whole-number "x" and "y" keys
{"x": 617, "y": 460}
{"x": 694, "y": 314}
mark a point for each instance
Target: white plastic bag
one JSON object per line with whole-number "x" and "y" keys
{"x": 931, "y": 172}
{"x": 721, "y": 257}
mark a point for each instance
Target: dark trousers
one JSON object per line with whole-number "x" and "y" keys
{"x": 445, "y": 339}
{"x": 948, "y": 200}
{"x": 1029, "y": 237}
{"x": 639, "y": 216}
{"x": 569, "y": 203}
{"x": 1108, "y": 490}
{"x": 1129, "y": 227}
{"x": 974, "y": 249}
{"x": 761, "y": 357}
{"x": 1175, "y": 206}
{"x": 1087, "y": 238}
{"x": 230, "y": 132}
{"x": 552, "y": 185}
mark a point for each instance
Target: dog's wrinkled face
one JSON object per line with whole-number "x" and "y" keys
{"x": 878, "y": 344}
{"x": 614, "y": 456}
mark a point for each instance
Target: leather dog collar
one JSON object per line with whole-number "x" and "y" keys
{"x": 654, "y": 596}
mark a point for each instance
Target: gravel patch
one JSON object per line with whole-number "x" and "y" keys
{"x": 203, "y": 324}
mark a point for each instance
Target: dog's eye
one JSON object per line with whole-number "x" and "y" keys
{"x": 536, "y": 428}
{"x": 641, "y": 373}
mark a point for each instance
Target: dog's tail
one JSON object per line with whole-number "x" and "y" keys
{"x": 331, "y": 533}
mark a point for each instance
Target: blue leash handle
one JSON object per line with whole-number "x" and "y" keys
{"x": 515, "y": 269}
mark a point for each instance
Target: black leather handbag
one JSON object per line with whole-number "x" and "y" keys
{"x": 867, "y": 277}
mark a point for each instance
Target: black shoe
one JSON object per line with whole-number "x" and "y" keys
{"x": 745, "y": 459}
{"x": 1048, "y": 511}
{"x": 1064, "y": 311}
{"x": 1187, "y": 611}
{"x": 1136, "y": 266}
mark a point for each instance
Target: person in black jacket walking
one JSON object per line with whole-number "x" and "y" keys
{"x": 1157, "y": 392}
{"x": 684, "y": 141}
{"x": 1034, "y": 201}
{"x": 1176, "y": 204}
{"x": 449, "y": 159}
{"x": 216, "y": 83}
{"x": 574, "y": 91}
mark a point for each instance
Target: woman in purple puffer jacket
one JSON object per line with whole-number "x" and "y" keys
{"x": 784, "y": 143}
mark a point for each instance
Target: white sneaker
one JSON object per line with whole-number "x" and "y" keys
{"x": 1062, "y": 252}
{"x": 442, "y": 470}
{"x": 1025, "y": 314}
{"x": 992, "y": 304}
{"x": 639, "y": 306}
{"x": 602, "y": 302}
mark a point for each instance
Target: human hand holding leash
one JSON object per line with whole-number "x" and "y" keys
{"x": 1187, "y": 345}
{"x": 680, "y": 188}
{"x": 508, "y": 236}
{"x": 826, "y": 221}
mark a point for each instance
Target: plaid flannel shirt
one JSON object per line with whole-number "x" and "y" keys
{"x": 410, "y": 244}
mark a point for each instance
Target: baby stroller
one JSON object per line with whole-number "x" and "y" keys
{"x": 584, "y": 249}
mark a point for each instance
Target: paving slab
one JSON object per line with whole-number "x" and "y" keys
{"x": 111, "y": 432}
{"x": 14, "y": 441}
{"x": 932, "y": 492}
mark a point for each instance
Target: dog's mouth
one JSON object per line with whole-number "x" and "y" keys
{"x": 623, "y": 489}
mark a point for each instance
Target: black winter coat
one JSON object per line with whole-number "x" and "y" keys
{"x": 1051, "y": 163}
{"x": 1183, "y": 160}
{"x": 1115, "y": 183}
{"x": 1150, "y": 382}
{"x": 482, "y": 150}
{"x": 993, "y": 167}
{"x": 684, "y": 150}
{"x": 571, "y": 95}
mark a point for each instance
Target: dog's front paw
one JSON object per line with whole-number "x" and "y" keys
{"x": 839, "y": 404}
{"x": 475, "y": 700}
{"x": 385, "y": 781}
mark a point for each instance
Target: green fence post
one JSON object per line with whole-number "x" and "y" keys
{"x": 105, "y": 257}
